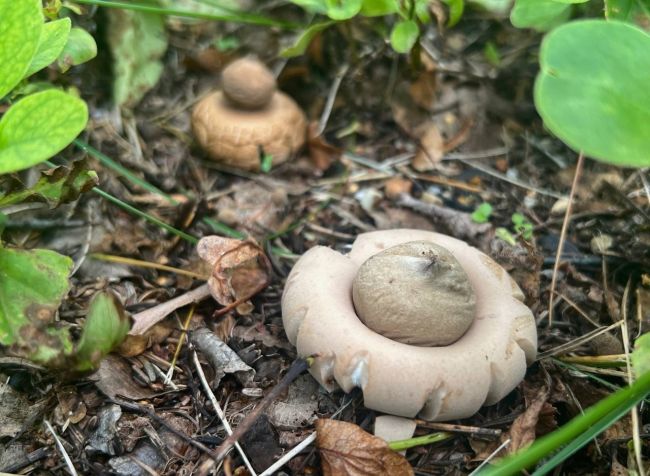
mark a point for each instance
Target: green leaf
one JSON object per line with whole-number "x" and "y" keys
{"x": 592, "y": 90}
{"x": 496, "y": 7}
{"x": 340, "y": 10}
{"x": 378, "y": 8}
{"x": 138, "y": 42}
{"x": 505, "y": 235}
{"x": 541, "y": 15}
{"x": 37, "y": 127}
{"x": 632, "y": 11}
{"x": 641, "y": 355}
{"x": 313, "y": 6}
{"x": 404, "y": 35}
{"x": 482, "y": 213}
{"x": 303, "y": 41}
{"x": 20, "y": 30}
{"x": 266, "y": 162}
{"x": 32, "y": 285}
{"x": 53, "y": 38}
{"x": 79, "y": 48}
{"x": 106, "y": 327}
{"x": 56, "y": 186}
{"x": 456, "y": 8}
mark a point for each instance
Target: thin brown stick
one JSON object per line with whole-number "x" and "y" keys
{"x": 297, "y": 368}
{"x": 475, "y": 430}
{"x": 565, "y": 227}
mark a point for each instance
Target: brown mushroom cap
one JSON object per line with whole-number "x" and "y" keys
{"x": 248, "y": 83}
{"x": 416, "y": 293}
{"x": 438, "y": 383}
{"x": 236, "y": 135}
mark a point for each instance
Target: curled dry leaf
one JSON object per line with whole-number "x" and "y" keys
{"x": 240, "y": 269}
{"x": 347, "y": 450}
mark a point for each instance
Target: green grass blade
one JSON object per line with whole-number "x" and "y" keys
{"x": 131, "y": 209}
{"x": 401, "y": 445}
{"x": 235, "y": 17}
{"x": 585, "y": 438}
{"x": 617, "y": 403}
{"x": 222, "y": 229}
{"x": 120, "y": 169}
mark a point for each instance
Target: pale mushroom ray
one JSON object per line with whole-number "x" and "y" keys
{"x": 436, "y": 383}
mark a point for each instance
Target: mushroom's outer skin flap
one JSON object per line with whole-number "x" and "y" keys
{"x": 234, "y": 136}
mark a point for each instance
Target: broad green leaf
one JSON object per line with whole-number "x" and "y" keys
{"x": 456, "y": 8}
{"x": 21, "y": 22}
{"x": 303, "y": 41}
{"x": 632, "y": 11}
{"x": 342, "y": 9}
{"x": 138, "y": 41}
{"x": 32, "y": 285}
{"x": 592, "y": 90}
{"x": 404, "y": 35}
{"x": 37, "y": 127}
{"x": 106, "y": 327}
{"x": 641, "y": 355}
{"x": 79, "y": 48}
{"x": 53, "y": 38}
{"x": 3, "y": 222}
{"x": 541, "y": 15}
{"x": 313, "y": 6}
{"x": 378, "y": 8}
{"x": 56, "y": 186}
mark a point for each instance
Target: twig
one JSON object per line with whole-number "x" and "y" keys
{"x": 487, "y": 170}
{"x": 59, "y": 444}
{"x": 475, "y": 430}
{"x": 144, "y": 320}
{"x": 219, "y": 410}
{"x": 565, "y": 226}
{"x": 289, "y": 455}
{"x": 298, "y": 367}
{"x": 331, "y": 96}
{"x": 134, "y": 407}
{"x": 490, "y": 457}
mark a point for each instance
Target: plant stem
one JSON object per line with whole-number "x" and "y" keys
{"x": 401, "y": 445}
{"x": 235, "y": 17}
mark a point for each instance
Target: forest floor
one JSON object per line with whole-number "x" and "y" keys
{"x": 396, "y": 141}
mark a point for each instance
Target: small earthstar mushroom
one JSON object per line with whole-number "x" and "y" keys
{"x": 249, "y": 119}
{"x": 423, "y": 323}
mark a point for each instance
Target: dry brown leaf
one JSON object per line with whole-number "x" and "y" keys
{"x": 431, "y": 150}
{"x": 523, "y": 430}
{"x": 347, "y": 450}
{"x": 240, "y": 268}
{"x": 321, "y": 152}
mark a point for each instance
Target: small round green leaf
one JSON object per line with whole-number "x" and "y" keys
{"x": 404, "y": 36}
{"x": 541, "y": 15}
{"x": 342, "y": 9}
{"x": 593, "y": 90}
{"x": 37, "y": 127}
{"x": 378, "y": 8}
{"x": 53, "y": 38}
{"x": 79, "y": 48}
{"x": 20, "y": 30}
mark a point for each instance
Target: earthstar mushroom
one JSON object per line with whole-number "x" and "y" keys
{"x": 431, "y": 380}
{"x": 248, "y": 118}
